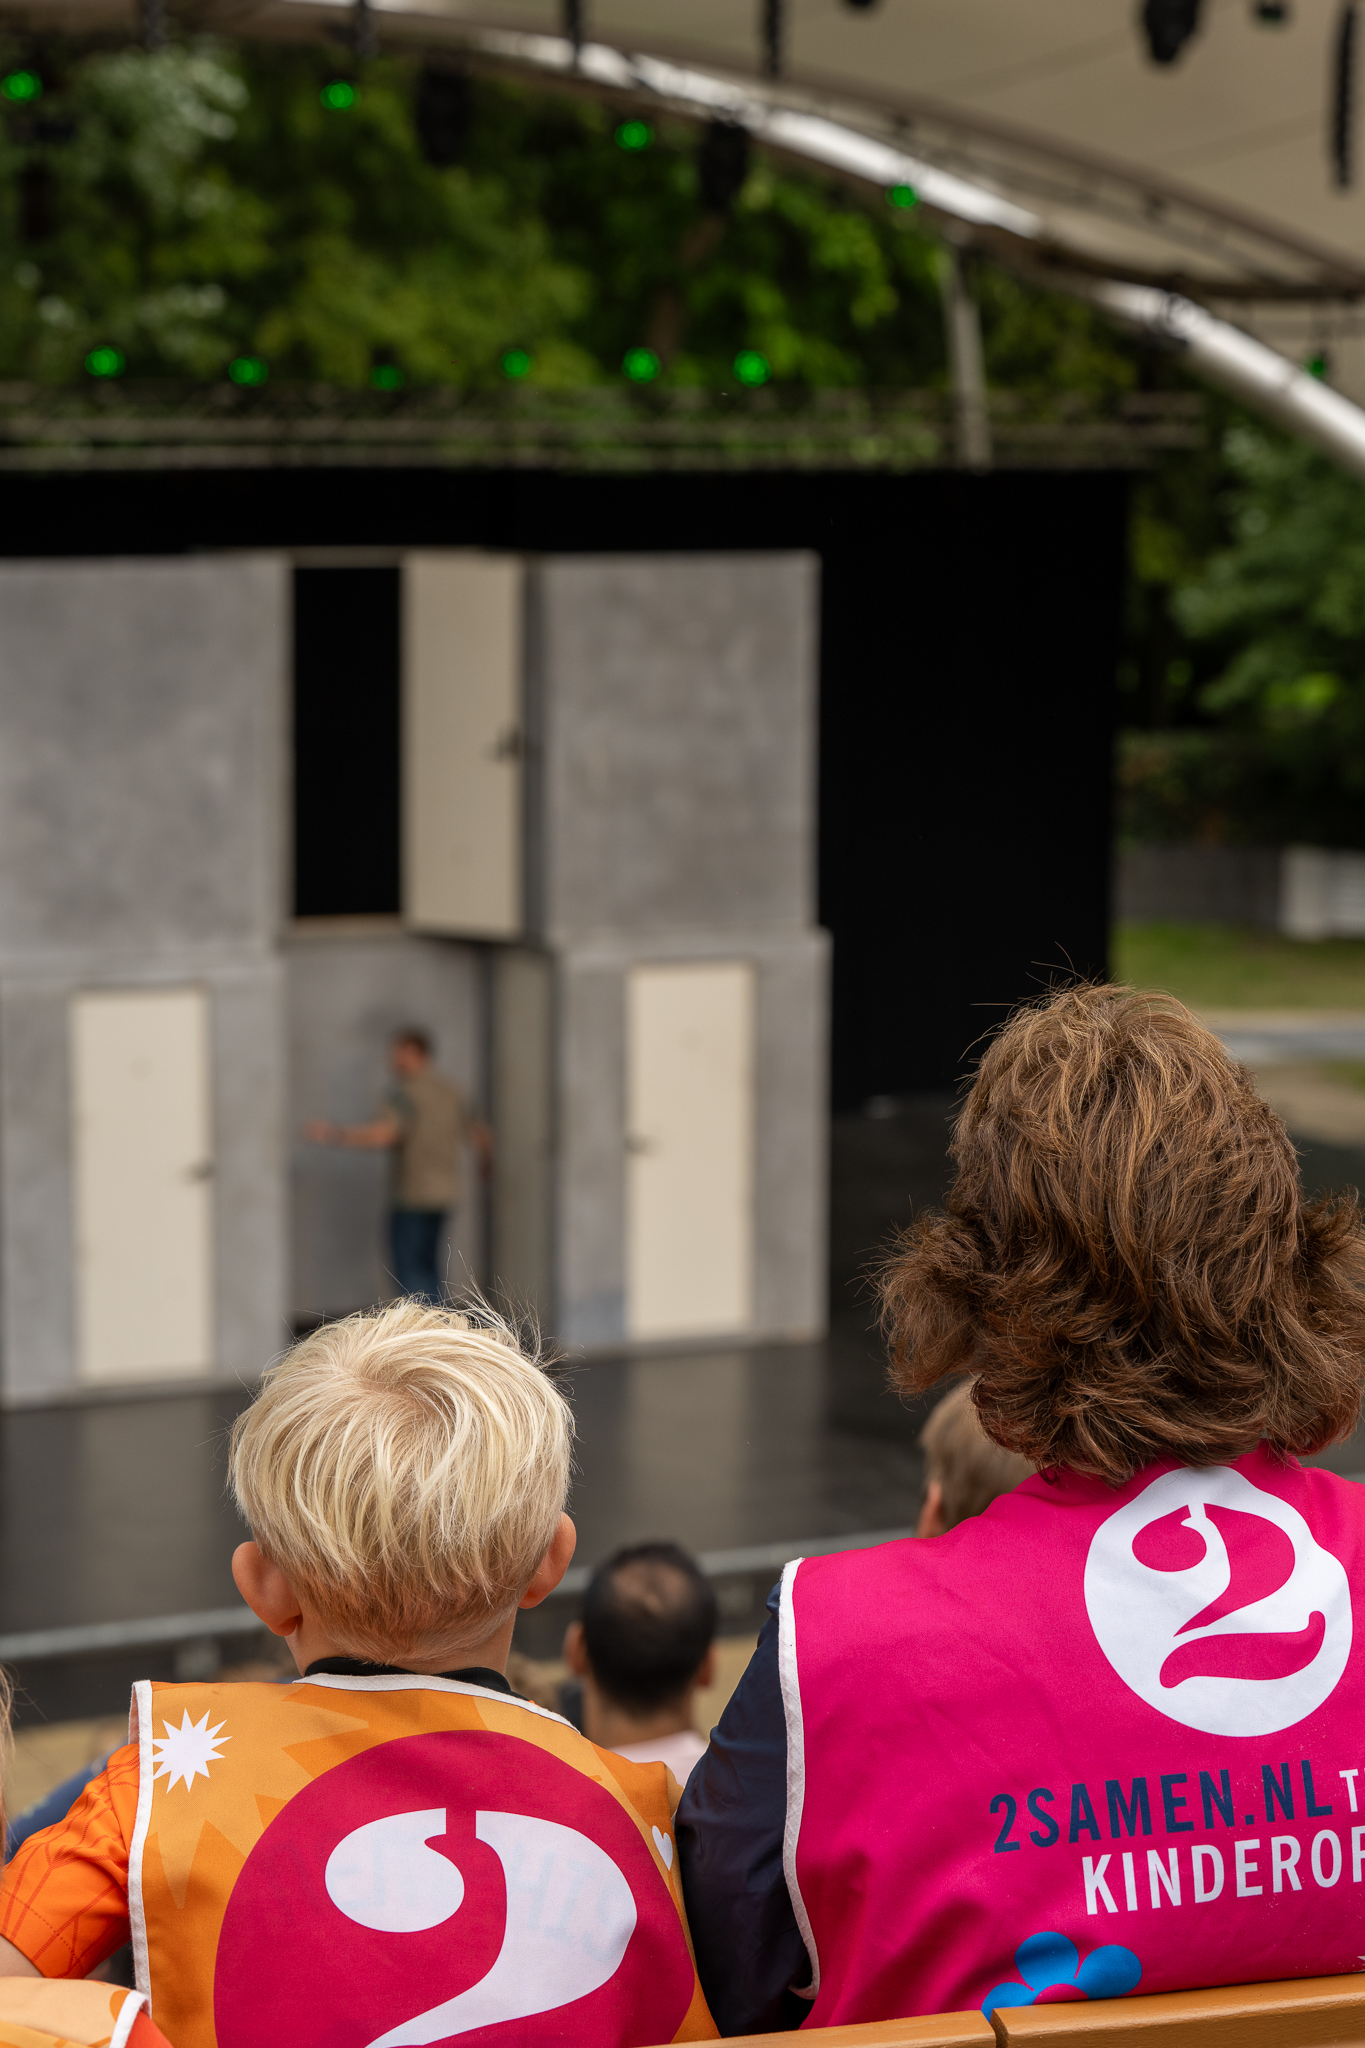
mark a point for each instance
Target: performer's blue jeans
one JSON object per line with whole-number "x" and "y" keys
{"x": 414, "y": 1235}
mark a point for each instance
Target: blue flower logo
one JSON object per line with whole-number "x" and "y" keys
{"x": 1052, "y": 1971}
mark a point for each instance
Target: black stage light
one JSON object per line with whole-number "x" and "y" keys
{"x": 442, "y": 113}
{"x": 722, "y": 164}
{"x": 35, "y": 201}
{"x": 1344, "y": 99}
{"x": 1168, "y": 25}
{"x": 1271, "y": 13}
{"x": 771, "y": 25}
{"x": 862, "y": 5}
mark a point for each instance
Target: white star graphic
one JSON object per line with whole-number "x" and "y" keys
{"x": 187, "y": 1751}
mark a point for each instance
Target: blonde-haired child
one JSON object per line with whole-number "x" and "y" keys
{"x": 393, "y": 1849}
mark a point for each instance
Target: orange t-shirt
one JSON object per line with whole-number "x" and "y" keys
{"x": 64, "y": 1899}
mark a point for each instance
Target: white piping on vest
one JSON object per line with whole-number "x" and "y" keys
{"x": 123, "y": 2025}
{"x": 796, "y": 1765}
{"x": 137, "y": 1917}
{"x": 417, "y": 1681}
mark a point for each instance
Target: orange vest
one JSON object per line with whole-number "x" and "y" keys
{"x": 52, "y": 2013}
{"x": 376, "y": 1862}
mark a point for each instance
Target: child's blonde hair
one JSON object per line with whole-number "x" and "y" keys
{"x": 406, "y": 1471}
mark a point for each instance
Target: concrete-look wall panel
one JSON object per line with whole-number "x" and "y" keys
{"x": 590, "y": 1189}
{"x": 141, "y": 753}
{"x": 791, "y": 1128}
{"x": 348, "y": 990}
{"x": 37, "y": 1243}
{"x": 791, "y": 1191}
{"x": 676, "y": 715}
{"x": 251, "y": 1220}
{"x": 37, "y": 1191}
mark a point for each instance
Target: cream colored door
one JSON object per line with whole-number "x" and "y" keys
{"x": 689, "y": 1149}
{"x": 462, "y": 744}
{"x": 143, "y": 1183}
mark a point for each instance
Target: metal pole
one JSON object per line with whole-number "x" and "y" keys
{"x": 573, "y": 25}
{"x": 1261, "y": 377}
{"x": 363, "y": 39}
{"x": 966, "y": 363}
{"x": 153, "y": 23}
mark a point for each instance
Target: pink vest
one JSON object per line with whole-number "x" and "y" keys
{"x": 1088, "y": 1743}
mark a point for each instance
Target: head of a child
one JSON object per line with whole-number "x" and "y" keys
{"x": 963, "y": 1470}
{"x": 1127, "y": 1263}
{"x": 644, "y": 1644}
{"x": 403, "y": 1474}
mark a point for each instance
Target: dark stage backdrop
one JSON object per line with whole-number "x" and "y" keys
{"x": 969, "y": 640}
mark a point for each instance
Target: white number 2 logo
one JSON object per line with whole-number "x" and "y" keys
{"x": 570, "y": 1912}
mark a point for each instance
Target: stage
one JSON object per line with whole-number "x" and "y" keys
{"x": 116, "y": 1530}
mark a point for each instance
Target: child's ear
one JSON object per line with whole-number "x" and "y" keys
{"x": 266, "y": 1590}
{"x": 553, "y": 1565}
{"x": 931, "y": 1517}
{"x": 575, "y": 1655}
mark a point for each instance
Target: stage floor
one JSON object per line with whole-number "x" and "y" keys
{"x": 118, "y": 1512}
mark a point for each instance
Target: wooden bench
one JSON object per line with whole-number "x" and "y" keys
{"x": 1307, "y": 2012}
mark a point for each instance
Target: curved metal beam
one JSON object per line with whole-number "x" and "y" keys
{"x": 1262, "y": 378}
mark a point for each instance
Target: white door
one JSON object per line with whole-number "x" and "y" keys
{"x": 689, "y": 1149}
{"x": 462, "y": 744}
{"x": 143, "y": 1186}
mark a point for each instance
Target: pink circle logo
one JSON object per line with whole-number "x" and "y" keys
{"x": 458, "y": 1886}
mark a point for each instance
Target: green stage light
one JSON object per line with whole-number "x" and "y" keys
{"x": 641, "y": 365}
{"x": 338, "y": 94}
{"x": 634, "y": 135}
{"x": 751, "y": 367}
{"x": 247, "y": 370}
{"x": 104, "y": 362}
{"x": 902, "y": 196}
{"x": 1316, "y": 366}
{"x": 21, "y": 85}
{"x": 387, "y": 377}
{"x": 517, "y": 362}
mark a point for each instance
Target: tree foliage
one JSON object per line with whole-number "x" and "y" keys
{"x": 207, "y": 202}
{"x": 1261, "y": 733}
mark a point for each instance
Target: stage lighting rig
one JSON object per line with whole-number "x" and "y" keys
{"x": 722, "y": 164}
{"x": 1168, "y": 25}
{"x": 442, "y": 113}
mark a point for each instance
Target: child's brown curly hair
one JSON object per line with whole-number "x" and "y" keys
{"x": 1128, "y": 1262}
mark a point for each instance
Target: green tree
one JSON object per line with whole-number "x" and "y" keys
{"x": 1283, "y": 609}
{"x": 213, "y": 201}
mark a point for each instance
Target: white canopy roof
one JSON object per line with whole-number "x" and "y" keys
{"x": 1211, "y": 175}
